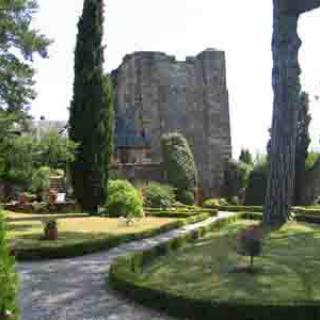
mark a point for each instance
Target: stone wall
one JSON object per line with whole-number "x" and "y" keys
{"x": 155, "y": 94}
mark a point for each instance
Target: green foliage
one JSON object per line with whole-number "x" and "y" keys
{"x": 179, "y": 166}
{"x": 158, "y": 195}
{"x": 18, "y": 160}
{"x": 22, "y": 156}
{"x": 54, "y": 150}
{"x": 8, "y": 276}
{"x": 123, "y": 200}
{"x": 246, "y": 157}
{"x": 187, "y": 197}
{"x": 18, "y": 44}
{"x": 257, "y": 185}
{"x": 40, "y": 180}
{"x": 311, "y": 160}
{"x": 232, "y": 179}
{"x": 214, "y": 203}
{"x": 302, "y": 144}
{"x": 91, "y": 111}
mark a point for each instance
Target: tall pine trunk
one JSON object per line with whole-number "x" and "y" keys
{"x": 90, "y": 124}
{"x": 286, "y": 86}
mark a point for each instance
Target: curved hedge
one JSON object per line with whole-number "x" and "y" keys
{"x": 92, "y": 246}
{"x": 124, "y": 277}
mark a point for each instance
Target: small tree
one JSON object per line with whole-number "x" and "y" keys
{"x": 179, "y": 166}
{"x": 8, "y": 277}
{"x": 55, "y": 151}
{"x": 246, "y": 157}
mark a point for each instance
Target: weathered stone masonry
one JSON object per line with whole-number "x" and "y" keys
{"x": 155, "y": 94}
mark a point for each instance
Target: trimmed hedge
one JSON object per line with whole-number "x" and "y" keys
{"x": 178, "y": 212}
{"x": 8, "y": 276}
{"x": 42, "y": 207}
{"x": 241, "y": 208}
{"x": 92, "y": 246}
{"x": 124, "y": 276}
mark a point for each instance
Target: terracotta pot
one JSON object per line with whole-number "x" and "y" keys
{"x": 51, "y": 234}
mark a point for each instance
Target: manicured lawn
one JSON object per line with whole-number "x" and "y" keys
{"x": 208, "y": 269}
{"x": 26, "y": 230}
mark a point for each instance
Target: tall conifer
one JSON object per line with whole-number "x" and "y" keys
{"x": 90, "y": 121}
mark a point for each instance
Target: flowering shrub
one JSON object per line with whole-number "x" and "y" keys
{"x": 249, "y": 242}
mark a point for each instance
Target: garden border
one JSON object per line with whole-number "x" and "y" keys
{"x": 123, "y": 278}
{"x": 93, "y": 246}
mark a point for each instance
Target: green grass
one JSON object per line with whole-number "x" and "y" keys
{"x": 288, "y": 268}
{"x": 26, "y": 231}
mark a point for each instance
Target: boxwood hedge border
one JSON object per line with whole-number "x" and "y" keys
{"x": 93, "y": 246}
{"x": 124, "y": 277}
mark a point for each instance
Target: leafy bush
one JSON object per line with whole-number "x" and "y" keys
{"x": 187, "y": 197}
{"x": 214, "y": 203}
{"x": 159, "y": 195}
{"x": 123, "y": 200}
{"x": 257, "y": 186}
{"x": 8, "y": 276}
{"x": 179, "y": 166}
{"x": 40, "y": 180}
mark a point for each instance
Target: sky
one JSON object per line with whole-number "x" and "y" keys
{"x": 243, "y": 29}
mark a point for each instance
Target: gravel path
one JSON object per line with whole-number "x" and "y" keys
{"x": 76, "y": 288}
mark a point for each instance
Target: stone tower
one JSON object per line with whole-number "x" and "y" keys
{"x": 155, "y": 94}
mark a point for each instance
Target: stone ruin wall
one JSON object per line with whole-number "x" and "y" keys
{"x": 156, "y": 94}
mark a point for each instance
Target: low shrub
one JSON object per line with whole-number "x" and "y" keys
{"x": 241, "y": 208}
{"x": 40, "y": 180}
{"x": 123, "y": 200}
{"x": 158, "y": 195}
{"x": 214, "y": 203}
{"x": 186, "y": 197}
{"x": 8, "y": 277}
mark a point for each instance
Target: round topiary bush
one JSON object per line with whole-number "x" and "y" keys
{"x": 179, "y": 166}
{"x": 158, "y": 195}
{"x": 123, "y": 200}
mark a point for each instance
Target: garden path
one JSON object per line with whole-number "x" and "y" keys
{"x": 76, "y": 288}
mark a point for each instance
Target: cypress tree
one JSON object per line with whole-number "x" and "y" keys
{"x": 180, "y": 167}
{"x": 302, "y": 145}
{"x": 90, "y": 112}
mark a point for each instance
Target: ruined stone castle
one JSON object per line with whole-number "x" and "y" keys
{"x": 155, "y": 94}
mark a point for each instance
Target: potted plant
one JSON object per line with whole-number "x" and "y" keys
{"x": 50, "y": 229}
{"x": 249, "y": 243}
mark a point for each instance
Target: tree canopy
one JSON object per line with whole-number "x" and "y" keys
{"x": 18, "y": 44}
